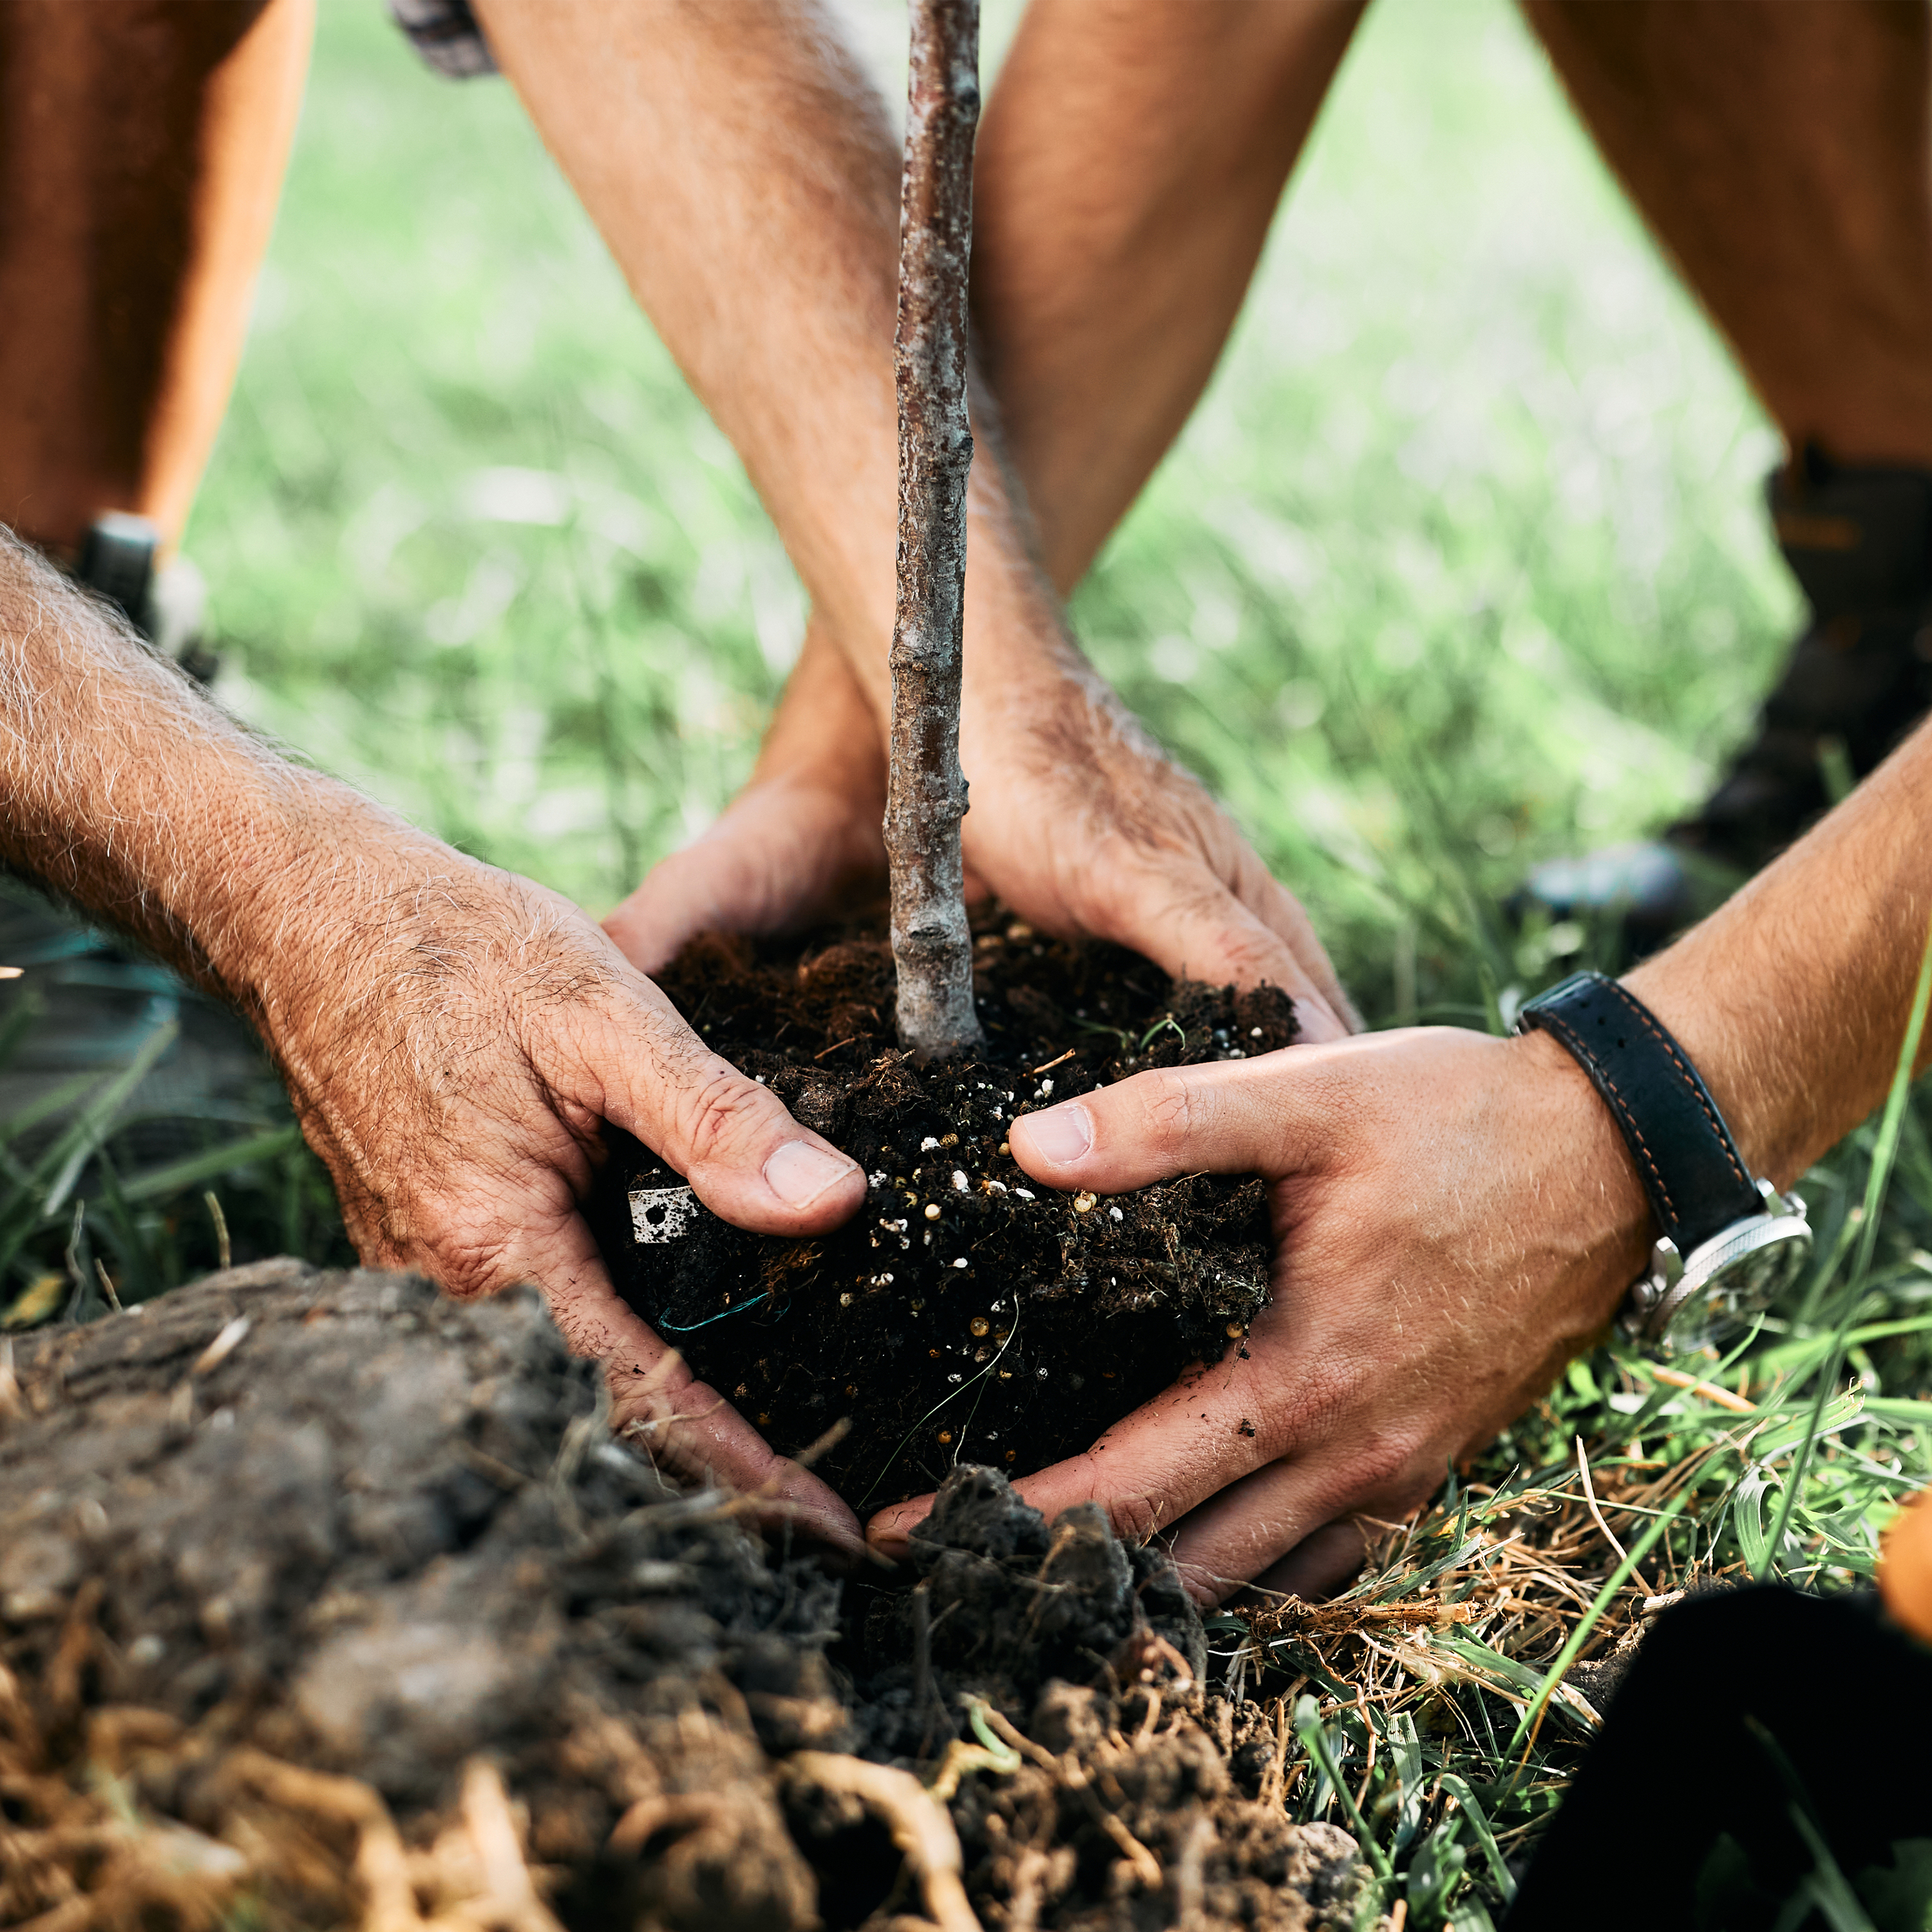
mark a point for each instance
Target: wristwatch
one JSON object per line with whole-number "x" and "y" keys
{"x": 1729, "y": 1243}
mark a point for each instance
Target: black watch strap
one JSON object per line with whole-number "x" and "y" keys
{"x": 1688, "y": 1163}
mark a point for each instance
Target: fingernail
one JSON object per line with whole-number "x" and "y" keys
{"x": 1061, "y": 1135}
{"x": 799, "y": 1173}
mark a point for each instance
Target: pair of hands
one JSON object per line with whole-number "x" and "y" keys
{"x": 1441, "y": 1251}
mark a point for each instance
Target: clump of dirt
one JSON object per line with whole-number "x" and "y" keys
{"x": 1133, "y": 1794}
{"x": 286, "y": 1522}
{"x": 964, "y": 1313}
{"x": 324, "y": 1601}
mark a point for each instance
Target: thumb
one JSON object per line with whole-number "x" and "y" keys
{"x": 1244, "y": 1117}
{"x": 745, "y": 1157}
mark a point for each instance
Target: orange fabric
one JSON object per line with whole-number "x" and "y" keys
{"x": 1905, "y": 1567}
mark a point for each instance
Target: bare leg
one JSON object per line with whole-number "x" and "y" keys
{"x": 1783, "y": 154}
{"x": 142, "y": 148}
{"x": 1131, "y": 161}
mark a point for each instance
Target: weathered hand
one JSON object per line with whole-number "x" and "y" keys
{"x": 792, "y": 848}
{"x": 1081, "y": 823}
{"x": 454, "y": 1038}
{"x": 1455, "y": 1217}
{"x": 802, "y": 841}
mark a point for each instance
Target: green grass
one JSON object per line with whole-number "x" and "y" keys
{"x": 1461, "y": 562}
{"x": 1510, "y": 1578}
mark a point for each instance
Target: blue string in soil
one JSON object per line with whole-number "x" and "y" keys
{"x": 743, "y": 1307}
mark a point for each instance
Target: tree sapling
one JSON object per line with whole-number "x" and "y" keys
{"x": 962, "y": 1313}
{"x": 932, "y": 946}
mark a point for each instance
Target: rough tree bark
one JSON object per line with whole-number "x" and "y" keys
{"x": 927, "y": 797}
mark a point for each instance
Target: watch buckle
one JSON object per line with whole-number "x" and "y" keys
{"x": 1656, "y": 1297}
{"x": 1649, "y": 1307}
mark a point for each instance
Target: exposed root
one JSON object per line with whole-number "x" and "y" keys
{"x": 920, "y": 1827}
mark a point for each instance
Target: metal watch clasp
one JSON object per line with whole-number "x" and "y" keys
{"x": 1743, "y": 1268}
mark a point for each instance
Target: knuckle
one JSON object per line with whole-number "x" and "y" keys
{"x": 720, "y": 1113}
{"x": 1169, "y": 1112}
{"x": 1385, "y": 1460}
{"x": 1330, "y": 1404}
{"x": 466, "y": 1252}
{"x": 1136, "y": 1519}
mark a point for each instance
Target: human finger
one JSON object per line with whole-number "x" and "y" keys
{"x": 1253, "y": 1524}
{"x": 1288, "y": 1526}
{"x": 1319, "y": 1564}
{"x": 1282, "y": 914}
{"x": 685, "y": 893}
{"x": 687, "y": 1427}
{"x": 1219, "y": 939}
{"x": 682, "y": 1425}
{"x": 1173, "y": 910}
{"x": 1149, "y": 1469}
{"x": 640, "y": 1066}
{"x": 1228, "y": 1117}
{"x": 783, "y": 853}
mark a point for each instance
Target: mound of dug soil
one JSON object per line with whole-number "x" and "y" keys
{"x": 325, "y": 1602}
{"x": 963, "y": 1314}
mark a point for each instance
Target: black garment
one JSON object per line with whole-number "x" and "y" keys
{"x": 448, "y": 35}
{"x": 1683, "y": 1815}
{"x": 1859, "y": 542}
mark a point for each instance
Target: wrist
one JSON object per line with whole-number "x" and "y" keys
{"x": 1680, "y": 987}
{"x": 1585, "y": 1179}
{"x": 1729, "y": 1242}
{"x": 318, "y": 891}
{"x": 1048, "y": 692}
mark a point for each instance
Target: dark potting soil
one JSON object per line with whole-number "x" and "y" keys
{"x": 293, "y": 1564}
{"x": 965, "y": 1313}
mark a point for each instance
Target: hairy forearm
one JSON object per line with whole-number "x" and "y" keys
{"x": 742, "y": 171}
{"x": 1793, "y": 998}
{"x": 123, "y": 790}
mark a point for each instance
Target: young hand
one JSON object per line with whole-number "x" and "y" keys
{"x": 1455, "y": 1216}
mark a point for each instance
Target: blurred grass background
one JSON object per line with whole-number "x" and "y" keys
{"x": 1462, "y": 559}
{"x": 1460, "y": 565}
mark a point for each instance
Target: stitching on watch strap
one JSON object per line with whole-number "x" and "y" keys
{"x": 1558, "y": 1024}
{"x": 1692, "y": 1083}
{"x": 1646, "y": 1096}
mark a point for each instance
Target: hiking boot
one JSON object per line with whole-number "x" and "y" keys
{"x": 166, "y": 605}
{"x": 1859, "y": 541}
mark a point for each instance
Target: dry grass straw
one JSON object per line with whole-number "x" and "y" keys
{"x": 80, "y": 1850}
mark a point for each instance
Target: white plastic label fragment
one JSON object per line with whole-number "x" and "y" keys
{"x": 659, "y": 1214}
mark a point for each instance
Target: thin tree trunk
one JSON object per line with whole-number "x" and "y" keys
{"x": 927, "y": 797}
